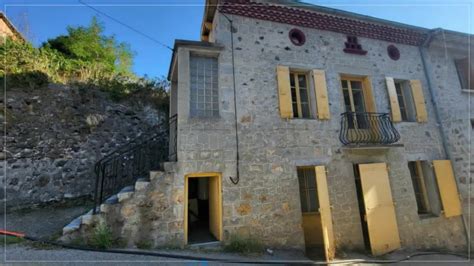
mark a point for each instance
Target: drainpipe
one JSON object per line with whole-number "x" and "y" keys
{"x": 422, "y": 49}
{"x": 235, "y": 180}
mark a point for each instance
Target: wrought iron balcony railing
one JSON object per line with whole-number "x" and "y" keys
{"x": 367, "y": 128}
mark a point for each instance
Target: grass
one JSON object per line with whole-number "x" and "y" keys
{"x": 243, "y": 245}
{"x": 144, "y": 244}
{"x": 102, "y": 237}
{"x": 10, "y": 240}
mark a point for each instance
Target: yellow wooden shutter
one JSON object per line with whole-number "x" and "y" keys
{"x": 379, "y": 208}
{"x": 369, "y": 96}
{"x": 284, "y": 91}
{"x": 394, "y": 105}
{"x": 325, "y": 211}
{"x": 321, "y": 92}
{"x": 419, "y": 99}
{"x": 447, "y": 188}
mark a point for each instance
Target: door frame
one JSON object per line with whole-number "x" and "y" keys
{"x": 219, "y": 199}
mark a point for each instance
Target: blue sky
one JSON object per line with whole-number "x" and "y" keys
{"x": 166, "y": 20}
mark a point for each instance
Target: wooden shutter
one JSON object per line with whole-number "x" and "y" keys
{"x": 284, "y": 91}
{"x": 394, "y": 105}
{"x": 419, "y": 100}
{"x": 379, "y": 208}
{"x": 447, "y": 188}
{"x": 325, "y": 212}
{"x": 369, "y": 99}
{"x": 321, "y": 92}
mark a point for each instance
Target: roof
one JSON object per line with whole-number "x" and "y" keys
{"x": 189, "y": 44}
{"x": 12, "y": 27}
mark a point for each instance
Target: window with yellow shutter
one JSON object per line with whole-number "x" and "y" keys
{"x": 302, "y": 93}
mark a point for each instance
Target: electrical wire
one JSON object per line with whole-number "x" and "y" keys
{"x": 125, "y": 25}
{"x": 200, "y": 258}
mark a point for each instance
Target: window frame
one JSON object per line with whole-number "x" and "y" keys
{"x": 351, "y": 96}
{"x": 215, "y": 113}
{"x": 299, "y": 113}
{"x": 419, "y": 178}
{"x": 307, "y": 190}
{"x": 466, "y": 75}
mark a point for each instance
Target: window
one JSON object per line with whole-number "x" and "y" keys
{"x": 204, "y": 100}
{"x": 307, "y": 184}
{"x": 419, "y": 187}
{"x": 354, "y": 100}
{"x": 425, "y": 188}
{"x": 405, "y": 101}
{"x": 465, "y": 73}
{"x": 300, "y": 95}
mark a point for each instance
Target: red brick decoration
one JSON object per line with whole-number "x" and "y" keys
{"x": 353, "y": 46}
{"x": 305, "y": 18}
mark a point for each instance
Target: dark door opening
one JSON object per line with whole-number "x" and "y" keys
{"x": 363, "y": 215}
{"x": 198, "y": 211}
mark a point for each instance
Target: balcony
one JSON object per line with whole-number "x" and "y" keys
{"x": 367, "y": 129}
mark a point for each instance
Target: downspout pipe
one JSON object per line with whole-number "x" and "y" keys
{"x": 422, "y": 49}
{"x": 237, "y": 155}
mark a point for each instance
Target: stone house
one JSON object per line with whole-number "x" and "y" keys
{"x": 8, "y": 29}
{"x": 309, "y": 127}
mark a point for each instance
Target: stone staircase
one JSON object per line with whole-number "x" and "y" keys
{"x": 140, "y": 214}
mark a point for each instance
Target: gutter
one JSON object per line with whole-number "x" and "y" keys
{"x": 422, "y": 49}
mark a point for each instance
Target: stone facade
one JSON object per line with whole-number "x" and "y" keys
{"x": 455, "y": 110}
{"x": 265, "y": 203}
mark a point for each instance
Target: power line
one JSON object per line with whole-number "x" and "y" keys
{"x": 126, "y": 25}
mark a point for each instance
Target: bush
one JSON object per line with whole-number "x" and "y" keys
{"x": 247, "y": 245}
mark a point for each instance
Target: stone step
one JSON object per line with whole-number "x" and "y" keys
{"x": 72, "y": 226}
{"x": 154, "y": 175}
{"x": 125, "y": 193}
{"x": 88, "y": 218}
{"x": 141, "y": 184}
{"x": 169, "y": 167}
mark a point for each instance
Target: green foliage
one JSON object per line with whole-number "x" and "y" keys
{"x": 89, "y": 44}
{"x": 10, "y": 240}
{"x": 243, "y": 245}
{"x": 84, "y": 57}
{"x": 144, "y": 244}
{"x": 102, "y": 237}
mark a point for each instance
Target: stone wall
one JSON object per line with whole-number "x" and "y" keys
{"x": 55, "y": 135}
{"x": 456, "y": 114}
{"x": 265, "y": 203}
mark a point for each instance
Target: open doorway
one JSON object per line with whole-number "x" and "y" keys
{"x": 360, "y": 200}
{"x": 316, "y": 212}
{"x": 203, "y": 208}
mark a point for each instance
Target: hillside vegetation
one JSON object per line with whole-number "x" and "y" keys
{"x": 85, "y": 57}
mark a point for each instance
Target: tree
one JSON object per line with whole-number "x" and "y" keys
{"x": 90, "y": 44}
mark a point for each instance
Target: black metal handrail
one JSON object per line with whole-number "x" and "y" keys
{"x": 123, "y": 166}
{"x": 173, "y": 150}
{"x": 367, "y": 128}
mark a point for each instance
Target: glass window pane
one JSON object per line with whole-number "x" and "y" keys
{"x": 204, "y": 87}
{"x": 312, "y": 200}
{"x": 344, "y": 84}
{"x": 302, "y": 81}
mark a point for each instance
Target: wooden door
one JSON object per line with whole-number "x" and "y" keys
{"x": 325, "y": 213}
{"x": 215, "y": 207}
{"x": 379, "y": 208}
